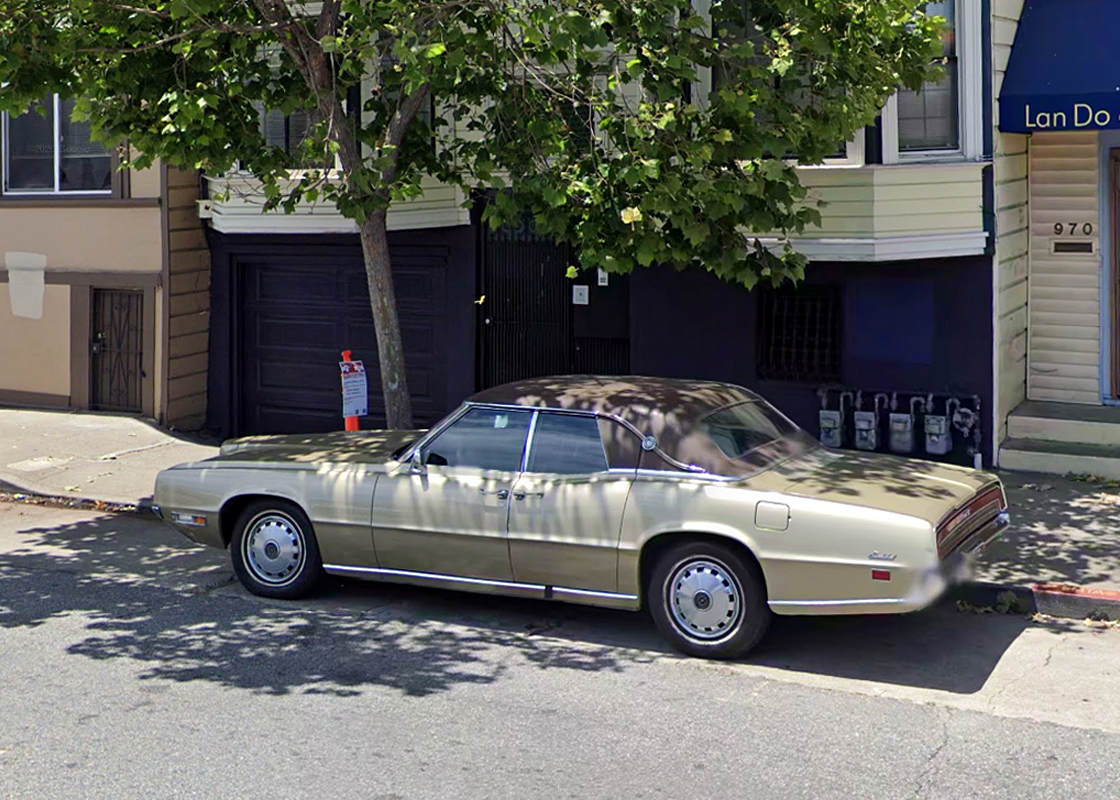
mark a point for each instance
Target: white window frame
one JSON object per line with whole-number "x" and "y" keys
{"x": 57, "y": 191}
{"x": 970, "y": 98}
{"x": 855, "y": 151}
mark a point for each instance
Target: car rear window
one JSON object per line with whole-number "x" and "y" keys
{"x": 738, "y": 430}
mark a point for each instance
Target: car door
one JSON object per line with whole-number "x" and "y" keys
{"x": 448, "y": 517}
{"x": 566, "y": 509}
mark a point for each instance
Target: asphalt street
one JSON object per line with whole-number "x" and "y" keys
{"x": 132, "y": 667}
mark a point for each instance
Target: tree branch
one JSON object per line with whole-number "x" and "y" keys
{"x": 328, "y": 18}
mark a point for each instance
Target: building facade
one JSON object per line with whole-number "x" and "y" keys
{"x": 104, "y": 292}
{"x": 1059, "y": 122}
{"x": 909, "y": 334}
{"x": 896, "y": 314}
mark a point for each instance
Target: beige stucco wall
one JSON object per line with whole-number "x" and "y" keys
{"x": 81, "y": 239}
{"x": 35, "y": 353}
{"x": 145, "y": 183}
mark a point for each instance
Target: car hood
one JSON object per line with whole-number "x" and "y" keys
{"x": 922, "y": 489}
{"x": 358, "y": 446}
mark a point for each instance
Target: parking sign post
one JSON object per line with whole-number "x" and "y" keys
{"x": 355, "y": 391}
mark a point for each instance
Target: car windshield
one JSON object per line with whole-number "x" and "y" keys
{"x": 741, "y": 429}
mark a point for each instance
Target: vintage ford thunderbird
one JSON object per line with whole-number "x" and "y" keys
{"x": 697, "y": 500}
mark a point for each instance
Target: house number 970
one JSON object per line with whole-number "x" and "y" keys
{"x": 1073, "y": 228}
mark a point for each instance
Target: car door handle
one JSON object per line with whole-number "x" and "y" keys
{"x": 523, "y": 495}
{"x": 502, "y": 494}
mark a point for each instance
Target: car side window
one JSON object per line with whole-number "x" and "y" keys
{"x": 484, "y": 438}
{"x": 566, "y": 444}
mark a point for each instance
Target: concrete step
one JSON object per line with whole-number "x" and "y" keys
{"x": 1060, "y": 458}
{"x": 1065, "y": 422}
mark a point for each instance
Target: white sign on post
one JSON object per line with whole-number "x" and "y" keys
{"x": 355, "y": 390}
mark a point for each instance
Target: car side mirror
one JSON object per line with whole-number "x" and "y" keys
{"x": 416, "y": 464}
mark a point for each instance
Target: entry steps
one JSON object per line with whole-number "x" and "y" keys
{"x": 1063, "y": 438}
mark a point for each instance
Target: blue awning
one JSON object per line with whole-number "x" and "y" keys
{"x": 1064, "y": 72}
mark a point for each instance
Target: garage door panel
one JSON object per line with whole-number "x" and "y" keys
{"x": 418, "y": 337}
{"x": 306, "y": 377}
{"x": 290, "y": 285}
{"x": 299, "y": 314}
{"x": 275, "y": 331}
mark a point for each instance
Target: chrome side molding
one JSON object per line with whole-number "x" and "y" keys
{"x": 545, "y": 592}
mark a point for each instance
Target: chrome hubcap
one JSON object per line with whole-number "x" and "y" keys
{"x": 705, "y": 599}
{"x": 274, "y": 548}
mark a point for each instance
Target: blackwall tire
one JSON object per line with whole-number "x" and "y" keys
{"x": 274, "y": 551}
{"x": 708, "y": 600}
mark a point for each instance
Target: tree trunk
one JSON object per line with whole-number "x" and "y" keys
{"x": 383, "y": 303}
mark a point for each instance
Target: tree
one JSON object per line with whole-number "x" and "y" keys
{"x": 593, "y": 115}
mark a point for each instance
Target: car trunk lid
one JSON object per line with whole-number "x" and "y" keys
{"x": 923, "y": 489}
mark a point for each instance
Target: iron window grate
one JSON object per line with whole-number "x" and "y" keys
{"x": 800, "y": 334}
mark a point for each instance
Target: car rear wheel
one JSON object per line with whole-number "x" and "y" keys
{"x": 708, "y": 600}
{"x": 273, "y": 550}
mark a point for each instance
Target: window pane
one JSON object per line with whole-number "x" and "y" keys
{"x": 287, "y": 131}
{"x": 928, "y": 120}
{"x": 30, "y": 166}
{"x": 483, "y": 438}
{"x": 567, "y": 445}
{"x": 85, "y": 165}
{"x": 740, "y": 429}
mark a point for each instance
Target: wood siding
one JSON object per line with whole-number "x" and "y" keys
{"x": 439, "y": 206}
{"x": 1012, "y": 219}
{"x": 1064, "y": 299}
{"x": 188, "y": 304}
{"x": 895, "y": 201}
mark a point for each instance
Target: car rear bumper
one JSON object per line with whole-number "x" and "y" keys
{"x": 926, "y": 587}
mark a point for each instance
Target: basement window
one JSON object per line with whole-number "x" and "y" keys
{"x": 800, "y": 334}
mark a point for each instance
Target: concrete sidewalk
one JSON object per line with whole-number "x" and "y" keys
{"x": 1064, "y": 532}
{"x": 103, "y": 457}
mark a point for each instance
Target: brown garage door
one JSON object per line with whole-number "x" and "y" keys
{"x": 299, "y": 313}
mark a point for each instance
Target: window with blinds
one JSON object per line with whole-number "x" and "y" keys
{"x": 930, "y": 119}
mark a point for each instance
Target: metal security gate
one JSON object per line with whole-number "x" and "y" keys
{"x": 529, "y": 326}
{"x": 116, "y": 350}
{"x": 527, "y": 309}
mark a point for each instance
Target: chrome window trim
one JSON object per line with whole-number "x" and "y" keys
{"x": 528, "y": 448}
{"x": 532, "y": 433}
{"x": 688, "y": 470}
{"x": 454, "y": 417}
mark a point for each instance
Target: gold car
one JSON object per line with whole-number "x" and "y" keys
{"x": 697, "y": 500}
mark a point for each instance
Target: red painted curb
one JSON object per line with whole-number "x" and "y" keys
{"x": 1070, "y": 590}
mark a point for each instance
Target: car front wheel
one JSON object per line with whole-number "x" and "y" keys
{"x": 273, "y": 550}
{"x": 708, "y": 600}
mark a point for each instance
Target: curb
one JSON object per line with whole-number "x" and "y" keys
{"x": 1065, "y": 600}
{"x": 10, "y": 492}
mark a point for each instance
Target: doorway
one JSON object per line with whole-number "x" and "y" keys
{"x": 530, "y": 324}
{"x": 116, "y": 350}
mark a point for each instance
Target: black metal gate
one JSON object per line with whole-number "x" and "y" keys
{"x": 116, "y": 347}
{"x": 529, "y": 326}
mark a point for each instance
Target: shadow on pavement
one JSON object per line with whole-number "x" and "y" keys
{"x": 356, "y": 637}
{"x": 1062, "y": 531}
